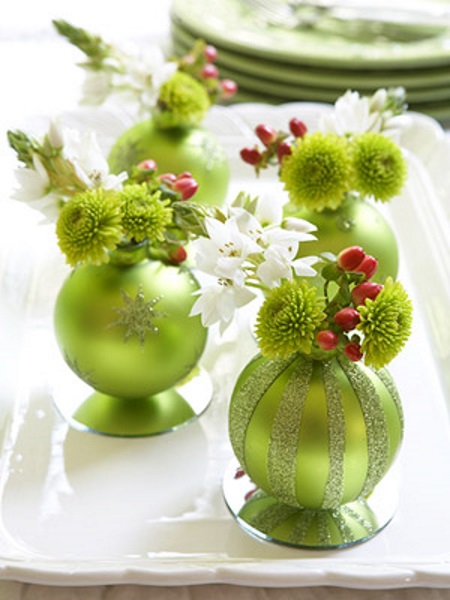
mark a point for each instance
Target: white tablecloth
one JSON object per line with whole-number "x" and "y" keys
{"x": 38, "y": 75}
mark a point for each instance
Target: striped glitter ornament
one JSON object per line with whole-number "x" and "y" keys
{"x": 315, "y": 434}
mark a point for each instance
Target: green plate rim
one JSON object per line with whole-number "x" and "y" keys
{"x": 361, "y": 79}
{"x": 201, "y": 18}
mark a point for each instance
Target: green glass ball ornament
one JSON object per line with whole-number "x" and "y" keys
{"x": 125, "y": 331}
{"x": 355, "y": 223}
{"x": 177, "y": 149}
{"x": 315, "y": 437}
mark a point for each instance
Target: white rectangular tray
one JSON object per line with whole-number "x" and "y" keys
{"x": 78, "y": 508}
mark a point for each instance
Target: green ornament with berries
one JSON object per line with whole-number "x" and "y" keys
{"x": 172, "y": 98}
{"x": 315, "y": 419}
{"x": 122, "y": 316}
{"x": 335, "y": 175}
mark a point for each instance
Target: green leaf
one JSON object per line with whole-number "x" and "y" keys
{"x": 331, "y": 272}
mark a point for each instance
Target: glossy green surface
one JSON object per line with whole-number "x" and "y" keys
{"x": 303, "y": 528}
{"x": 175, "y": 150}
{"x": 299, "y": 75}
{"x": 134, "y": 417}
{"x": 126, "y": 331}
{"x": 231, "y": 24}
{"x": 355, "y": 223}
{"x": 316, "y": 441}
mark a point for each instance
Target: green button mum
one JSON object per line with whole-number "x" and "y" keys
{"x": 318, "y": 172}
{"x": 145, "y": 214}
{"x": 380, "y": 168}
{"x": 182, "y": 101}
{"x": 386, "y": 324}
{"x": 88, "y": 226}
{"x": 288, "y": 319}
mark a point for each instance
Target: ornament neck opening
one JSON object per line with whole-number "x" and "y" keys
{"x": 126, "y": 255}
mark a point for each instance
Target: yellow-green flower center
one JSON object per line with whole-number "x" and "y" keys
{"x": 145, "y": 215}
{"x": 380, "y": 168}
{"x": 318, "y": 172}
{"x": 89, "y": 225}
{"x": 386, "y": 324}
{"x": 288, "y": 319}
{"x": 182, "y": 101}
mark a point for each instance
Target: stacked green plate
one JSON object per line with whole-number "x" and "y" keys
{"x": 277, "y": 64}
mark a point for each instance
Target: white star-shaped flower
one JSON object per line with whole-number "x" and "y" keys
{"x": 351, "y": 115}
{"x": 224, "y": 252}
{"x": 91, "y": 166}
{"x": 218, "y": 301}
{"x": 280, "y": 263}
{"x": 33, "y": 188}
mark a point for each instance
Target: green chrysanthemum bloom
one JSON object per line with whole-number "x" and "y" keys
{"x": 386, "y": 324}
{"x": 182, "y": 101}
{"x": 380, "y": 168}
{"x": 318, "y": 172}
{"x": 144, "y": 214}
{"x": 88, "y": 226}
{"x": 288, "y": 319}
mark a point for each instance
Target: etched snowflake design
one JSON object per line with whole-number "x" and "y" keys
{"x": 211, "y": 153}
{"x": 86, "y": 376}
{"x": 137, "y": 315}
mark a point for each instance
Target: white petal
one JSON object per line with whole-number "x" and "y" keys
{"x": 205, "y": 305}
{"x": 242, "y": 295}
{"x": 33, "y": 183}
{"x": 296, "y": 224}
{"x": 91, "y": 157}
{"x": 96, "y": 87}
{"x": 271, "y": 272}
{"x": 114, "y": 182}
{"x": 230, "y": 268}
{"x": 55, "y": 133}
{"x": 303, "y": 266}
{"x": 269, "y": 210}
{"x": 285, "y": 237}
{"x": 218, "y": 303}
{"x": 378, "y": 100}
{"x": 245, "y": 222}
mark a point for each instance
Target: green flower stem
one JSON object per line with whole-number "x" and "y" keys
{"x": 63, "y": 178}
{"x": 93, "y": 46}
{"x": 24, "y": 147}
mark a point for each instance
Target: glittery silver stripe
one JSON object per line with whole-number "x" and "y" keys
{"x": 323, "y": 529}
{"x": 347, "y": 534}
{"x": 334, "y": 487}
{"x": 389, "y": 384}
{"x": 375, "y": 421}
{"x": 303, "y": 523}
{"x": 246, "y": 400}
{"x": 365, "y": 523}
{"x": 270, "y": 518}
{"x": 283, "y": 443}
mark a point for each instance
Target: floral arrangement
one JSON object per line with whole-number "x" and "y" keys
{"x": 246, "y": 251}
{"x": 318, "y": 306}
{"x": 353, "y": 152}
{"x": 66, "y": 177}
{"x": 178, "y": 91}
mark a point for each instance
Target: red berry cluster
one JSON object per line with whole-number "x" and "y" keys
{"x": 200, "y": 64}
{"x": 184, "y": 183}
{"x": 276, "y": 144}
{"x": 175, "y": 187}
{"x": 353, "y": 269}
